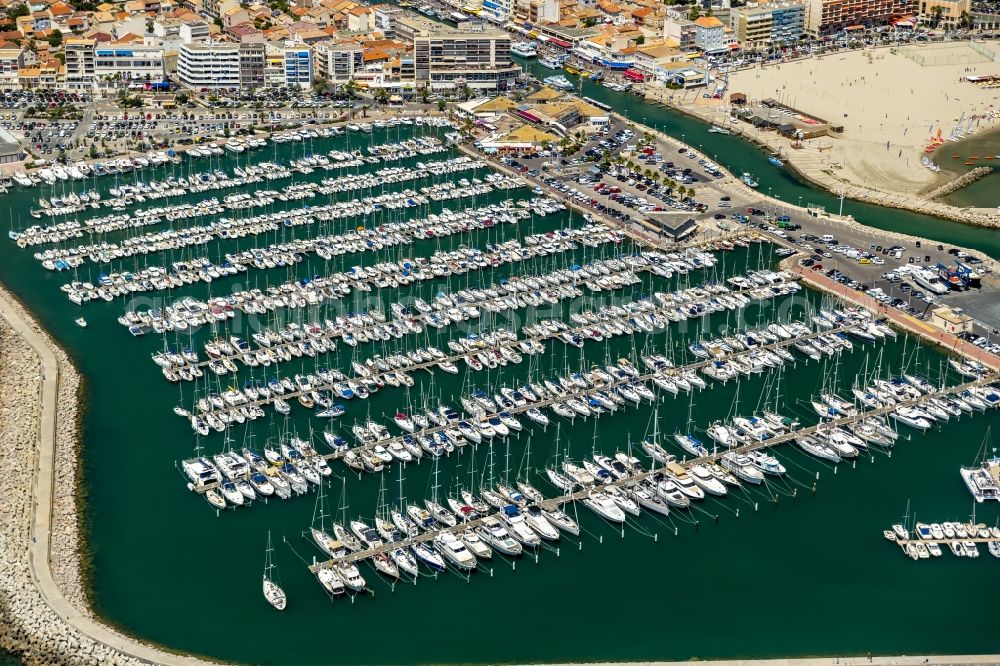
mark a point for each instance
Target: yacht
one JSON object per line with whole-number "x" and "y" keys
{"x": 525, "y": 49}
{"x": 562, "y": 521}
{"x": 350, "y": 576}
{"x": 928, "y": 280}
{"x": 604, "y": 506}
{"x": 550, "y": 62}
{"x": 558, "y": 81}
{"x": 980, "y": 483}
{"x": 707, "y": 481}
{"x": 493, "y": 532}
{"x": 748, "y": 180}
{"x": 454, "y": 551}
{"x": 330, "y": 581}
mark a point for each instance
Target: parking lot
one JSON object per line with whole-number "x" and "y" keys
{"x": 650, "y": 176}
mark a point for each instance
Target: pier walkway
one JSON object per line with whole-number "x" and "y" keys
{"x": 686, "y": 464}
{"x": 660, "y": 310}
{"x": 642, "y": 377}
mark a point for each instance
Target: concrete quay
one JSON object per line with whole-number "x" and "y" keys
{"x": 44, "y": 618}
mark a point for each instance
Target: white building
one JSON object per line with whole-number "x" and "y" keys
{"x": 710, "y": 35}
{"x": 298, "y": 65}
{"x": 195, "y": 31}
{"x": 128, "y": 62}
{"x": 209, "y": 65}
{"x": 497, "y": 11}
{"x": 337, "y": 62}
{"x": 79, "y": 63}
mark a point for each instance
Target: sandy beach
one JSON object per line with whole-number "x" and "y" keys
{"x": 881, "y": 98}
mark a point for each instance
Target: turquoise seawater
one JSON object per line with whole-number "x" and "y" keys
{"x": 797, "y": 568}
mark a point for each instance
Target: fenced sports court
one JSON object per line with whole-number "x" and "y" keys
{"x": 950, "y": 53}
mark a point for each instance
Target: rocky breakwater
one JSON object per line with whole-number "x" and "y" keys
{"x": 960, "y": 182}
{"x": 44, "y": 617}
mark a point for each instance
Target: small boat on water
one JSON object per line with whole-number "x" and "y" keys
{"x": 272, "y": 592}
{"x": 81, "y": 322}
{"x": 748, "y": 180}
{"x": 558, "y": 81}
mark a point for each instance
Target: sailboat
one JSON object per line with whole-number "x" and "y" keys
{"x": 272, "y": 592}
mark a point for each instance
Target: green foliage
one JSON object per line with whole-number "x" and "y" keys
{"x": 55, "y": 39}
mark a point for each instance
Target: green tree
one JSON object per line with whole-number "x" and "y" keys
{"x": 55, "y": 39}
{"x": 936, "y": 17}
{"x": 15, "y": 12}
{"x": 442, "y": 105}
{"x": 364, "y": 110}
{"x": 694, "y": 12}
{"x": 381, "y": 96}
{"x": 424, "y": 94}
{"x": 640, "y": 40}
{"x": 350, "y": 88}
{"x": 465, "y": 93}
{"x": 319, "y": 84}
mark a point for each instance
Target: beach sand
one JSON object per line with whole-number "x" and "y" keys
{"x": 890, "y": 106}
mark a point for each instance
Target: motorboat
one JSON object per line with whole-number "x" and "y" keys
{"x": 707, "y": 481}
{"x": 453, "y": 550}
{"x": 493, "y": 532}
{"x": 604, "y": 506}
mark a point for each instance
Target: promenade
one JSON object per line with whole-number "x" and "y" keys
{"x": 45, "y": 618}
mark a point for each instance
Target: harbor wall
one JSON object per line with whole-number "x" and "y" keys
{"x": 44, "y": 615}
{"x": 960, "y": 182}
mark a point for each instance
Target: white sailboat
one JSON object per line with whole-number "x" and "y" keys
{"x": 272, "y": 592}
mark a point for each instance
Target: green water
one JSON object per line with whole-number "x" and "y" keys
{"x": 738, "y": 155}
{"x": 984, "y": 192}
{"x": 799, "y": 575}
{"x": 8, "y": 659}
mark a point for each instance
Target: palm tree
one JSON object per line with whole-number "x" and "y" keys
{"x": 424, "y": 94}
{"x": 364, "y": 110}
{"x": 381, "y": 96}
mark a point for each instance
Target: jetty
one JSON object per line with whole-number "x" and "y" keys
{"x": 638, "y": 477}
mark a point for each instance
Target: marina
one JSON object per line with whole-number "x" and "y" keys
{"x": 464, "y": 307}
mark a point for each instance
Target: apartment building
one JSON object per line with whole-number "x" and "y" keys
{"x": 710, "y": 35}
{"x": 825, "y": 17}
{"x": 944, "y": 14}
{"x": 193, "y": 31}
{"x": 681, "y": 32}
{"x": 221, "y": 65}
{"x": 337, "y": 62}
{"x": 80, "y": 63}
{"x": 128, "y": 62}
{"x": 11, "y": 62}
{"x": 765, "y": 25}
{"x": 497, "y": 11}
{"x": 297, "y": 65}
{"x": 446, "y": 58}
{"x": 536, "y": 11}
